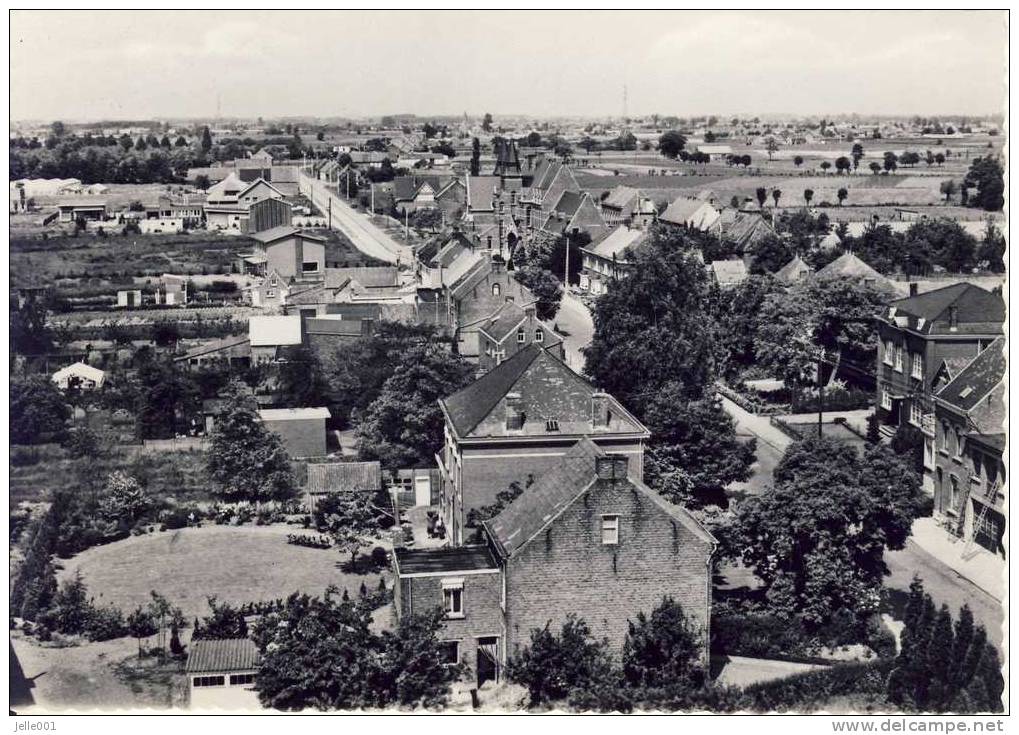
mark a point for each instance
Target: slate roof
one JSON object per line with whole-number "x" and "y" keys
{"x": 283, "y": 231}
{"x": 333, "y": 326}
{"x": 555, "y": 489}
{"x": 618, "y": 243}
{"x": 978, "y": 311}
{"x": 746, "y": 228}
{"x": 545, "y": 384}
{"x": 369, "y": 276}
{"x": 504, "y": 320}
{"x": 226, "y": 655}
{"x": 406, "y": 188}
{"x": 334, "y": 477}
{"x": 976, "y": 380}
{"x": 684, "y": 209}
{"x": 444, "y": 559}
{"x": 481, "y": 191}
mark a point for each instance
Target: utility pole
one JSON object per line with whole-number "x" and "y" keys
{"x": 373, "y": 199}
{"x": 566, "y": 274}
{"x": 406, "y": 225}
{"x": 820, "y": 395}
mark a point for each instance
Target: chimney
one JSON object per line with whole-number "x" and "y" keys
{"x": 914, "y": 288}
{"x": 953, "y": 316}
{"x": 611, "y": 467}
{"x": 530, "y": 311}
{"x": 600, "y": 410}
{"x": 514, "y": 412}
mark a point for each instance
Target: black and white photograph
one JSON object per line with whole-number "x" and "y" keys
{"x": 486, "y": 362}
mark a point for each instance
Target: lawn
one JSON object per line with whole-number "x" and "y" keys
{"x": 237, "y": 564}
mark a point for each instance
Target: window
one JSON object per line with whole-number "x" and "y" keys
{"x": 270, "y": 294}
{"x": 453, "y": 598}
{"x": 539, "y": 335}
{"x": 521, "y": 336}
{"x": 915, "y": 413}
{"x": 928, "y": 453}
{"x": 898, "y": 358}
{"x": 610, "y": 529}
{"x": 208, "y": 681}
{"x": 309, "y": 267}
{"x": 241, "y": 679}
{"x": 449, "y": 653}
{"x": 917, "y": 371}
{"x": 889, "y": 351}
{"x": 552, "y": 425}
{"x": 886, "y": 400}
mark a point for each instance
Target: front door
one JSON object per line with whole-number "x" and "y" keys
{"x": 488, "y": 659}
{"x": 422, "y": 490}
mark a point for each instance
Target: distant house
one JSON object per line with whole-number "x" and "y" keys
{"x": 87, "y": 208}
{"x": 728, "y": 273}
{"x": 745, "y": 230}
{"x": 793, "y": 272}
{"x": 575, "y": 212}
{"x": 269, "y": 334}
{"x": 235, "y": 351}
{"x": 268, "y": 214}
{"x": 608, "y": 259}
{"x": 162, "y": 226}
{"x": 715, "y": 152}
{"x": 221, "y": 674}
{"x": 514, "y": 421}
{"x": 964, "y": 459}
{"x": 692, "y": 214}
{"x": 287, "y": 251}
{"x": 510, "y": 329}
{"x": 328, "y": 331}
{"x": 173, "y": 290}
{"x": 587, "y": 529}
{"x": 620, "y": 202}
{"x": 303, "y": 430}
{"x": 128, "y": 298}
{"x": 472, "y": 299}
{"x": 414, "y": 192}
{"x": 79, "y": 376}
{"x": 849, "y": 265}
{"x": 228, "y": 202}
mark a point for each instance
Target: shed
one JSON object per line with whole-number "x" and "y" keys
{"x": 303, "y": 430}
{"x": 221, "y": 674}
{"x": 80, "y": 376}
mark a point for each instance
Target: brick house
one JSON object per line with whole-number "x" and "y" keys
{"x": 288, "y": 251}
{"x": 484, "y": 287}
{"x": 606, "y": 543}
{"x": 967, "y": 468}
{"x": 510, "y": 329}
{"x": 921, "y": 337}
{"x": 515, "y": 422}
{"x": 609, "y": 259}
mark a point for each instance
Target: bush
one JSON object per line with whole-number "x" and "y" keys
{"x": 180, "y": 517}
{"x": 25, "y": 456}
{"x": 836, "y": 398}
{"x": 379, "y": 558}
{"x": 816, "y": 688}
{"x": 106, "y": 623}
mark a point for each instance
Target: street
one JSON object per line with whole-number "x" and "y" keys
{"x": 365, "y": 236}
{"x": 574, "y": 320}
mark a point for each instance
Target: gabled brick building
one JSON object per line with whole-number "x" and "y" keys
{"x": 608, "y": 545}
{"x": 518, "y": 420}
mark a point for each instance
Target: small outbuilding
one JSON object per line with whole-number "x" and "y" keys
{"x": 79, "y": 376}
{"x": 303, "y": 430}
{"x": 221, "y": 674}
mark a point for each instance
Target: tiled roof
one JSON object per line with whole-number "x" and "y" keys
{"x": 481, "y": 191}
{"x": 503, "y": 321}
{"x": 848, "y": 265}
{"x": 617, "y": 243}
{"x": 977, "y": 310}
{"x": 369, "y": 276}
{"x": 282, "y": 231}
{"x": 444, "y": 559}
{"x": 230, "y": 654}
{"x": 548, "y": 389}
{"x": 681, "y": 210}
{"x": 569, "y": 202}
{"x": 335, "y": 477}
{"x": 334, "y": 326}
{"x": 558, "y": 487}
{"x": 793, "y": 270}
{"x": 551, "y": 492}
{"x": 973, "y": 384}
{"x": 621, "y": 198}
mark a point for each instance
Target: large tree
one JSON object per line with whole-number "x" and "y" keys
{"x": 694, "y": 453}
{"x": 546, "y": 288}
{"x": 38, "y": 411}
{"x": 735, "y": 311}
{"x": 403, "y": 426}
{"x": 817, "y": 538}
{"x": 671, "y": 143}
{"x": 651, "y": 327}
{"x": 246, "y": 461}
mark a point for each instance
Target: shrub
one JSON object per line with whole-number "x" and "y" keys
{"x": 816, "y": 688}
{"x": 106, "y": 623}
{"x": 25, "y": 456}
{"x": 379, "y": 558}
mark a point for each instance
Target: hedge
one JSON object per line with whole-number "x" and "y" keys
{"x": 813, "y": 689}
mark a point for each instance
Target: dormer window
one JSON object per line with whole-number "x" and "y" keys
{"x": 552, "y": 425}
{"x": 539, "y": 335}
{"x": 521, "y": 336}
{"x": 496, "y": 289}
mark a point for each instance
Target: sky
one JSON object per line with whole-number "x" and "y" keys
{"x": 88, "y": 65}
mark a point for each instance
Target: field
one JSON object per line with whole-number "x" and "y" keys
{"x": 236, "y": 563}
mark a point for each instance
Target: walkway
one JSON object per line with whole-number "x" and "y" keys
{"x": 979, "y": 566}
{"x": 758, "y": 426}
{"x": 574, "y": 319}
{"x": 365, "y": 236}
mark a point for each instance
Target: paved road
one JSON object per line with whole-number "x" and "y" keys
{"x": 575, "y": 319}
{"x": 366, "y": 237}
{"x": 758, "y": 426}
{"x": 944, "y": 585}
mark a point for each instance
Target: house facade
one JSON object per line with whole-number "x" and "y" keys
{"x": 589, "y": 529}
{"x": 609, "y": 259}
{"x": 515, "y": 422}
{"x": 287, "y": 251}
{"x": 919, "y": 336}
{"x": 967, "y": 468}
{"x": 510, "y": 329}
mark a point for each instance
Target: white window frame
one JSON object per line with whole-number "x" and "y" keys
{"x": 539, "y": 335}
{"x": 889, "y": 352}
{"x": 459, "y": 653}
{"x": 610, "y": 529}
{"x": 886, "y": 400}
{"x": 898, "y": 358}
{"x": 270, "y": 293}
{"x": 915, "y": 413}
{"x": 451, "y": 586}
{"x": 917, "y": 366}
{"x": 521, "y": 336}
